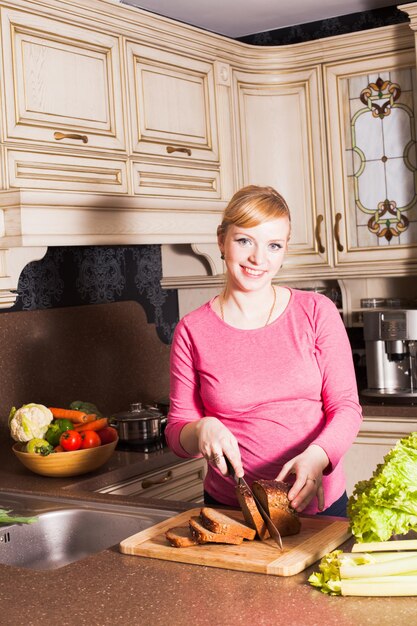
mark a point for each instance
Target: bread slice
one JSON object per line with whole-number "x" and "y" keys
{"x": 250, "y": 511}
{"x": 220, "y": 523}
{"x": 180, "y": 537}
{"x": 273, "y": 495}
{"x": 203, "y": 535}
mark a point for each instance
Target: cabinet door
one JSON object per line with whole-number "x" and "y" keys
{"x": 378, "y": 435}
{"x": 280, "y": 143}
{"x": 62, "y": 83}
{"x": 172, "y": 102}
{"x": 371, "y": 106}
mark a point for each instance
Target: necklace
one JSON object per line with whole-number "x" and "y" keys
{"x": 221, "y": 296}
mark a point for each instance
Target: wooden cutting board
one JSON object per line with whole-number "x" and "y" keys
{"x": 318, "y": 536}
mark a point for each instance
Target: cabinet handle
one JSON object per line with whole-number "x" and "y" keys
{"x": 319, "y": 222}
{"x": 159, "y": 481}
{"x": 337, "y": 232}
{"x": 171, "y": 149}
{"x": 59, "y": 136}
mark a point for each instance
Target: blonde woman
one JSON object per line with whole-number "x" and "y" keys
{"x": 263, "y": 374}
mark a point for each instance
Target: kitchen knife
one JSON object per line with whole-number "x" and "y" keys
{"x": 273, "y": 530}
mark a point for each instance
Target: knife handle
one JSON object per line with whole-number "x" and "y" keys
{"x": 230, "y": 469}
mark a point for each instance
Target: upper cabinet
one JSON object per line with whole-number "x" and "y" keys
{"x": 172, "y": 104}
{"x": 122, "y": 127}
{"x": 371, "y": 105}
{"x": 280, "y": 129}
{"x": 172, "y": 101}
{"x": 62, "y": 83}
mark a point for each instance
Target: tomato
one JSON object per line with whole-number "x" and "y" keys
{"x": 70, "y": 440}
{"x": 107, "y": 435}
{"x": 90, "y": 439}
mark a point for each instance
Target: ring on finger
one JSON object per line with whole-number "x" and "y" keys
{"x": 215, "y": 458}
{"x": 312, "y": 479}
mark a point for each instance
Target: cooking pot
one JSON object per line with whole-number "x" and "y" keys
{"x": 141, "y": 424}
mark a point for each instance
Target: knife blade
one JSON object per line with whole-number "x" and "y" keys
{"x": 273, "y": 530}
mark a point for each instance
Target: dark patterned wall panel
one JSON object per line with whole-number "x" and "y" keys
{"x": 72, "y": 276}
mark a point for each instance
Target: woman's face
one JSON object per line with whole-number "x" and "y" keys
{"x": 254, "y": 255}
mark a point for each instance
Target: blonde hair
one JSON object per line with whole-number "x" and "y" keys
{"x": 253, "y": 205}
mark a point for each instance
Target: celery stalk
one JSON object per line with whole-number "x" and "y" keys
{"x": 388, "y": 546}
{"x": 400, "y": 565}
{"x": 384, "y": 586}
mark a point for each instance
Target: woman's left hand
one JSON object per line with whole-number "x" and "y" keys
{"x": 308, "y": 468}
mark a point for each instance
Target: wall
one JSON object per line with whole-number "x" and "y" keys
{"x": 329, "y": 27}
{"x": 55, "y": 349}
{"x": 112, "y": 352}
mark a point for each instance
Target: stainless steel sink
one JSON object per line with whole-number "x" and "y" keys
{"x": 67, "y": 532}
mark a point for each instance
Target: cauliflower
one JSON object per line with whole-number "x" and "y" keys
{"x": 30, "y": 421}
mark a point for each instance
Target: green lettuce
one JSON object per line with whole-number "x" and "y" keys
{"x": 386, "y": 504}
{"x": 5, "y": 518}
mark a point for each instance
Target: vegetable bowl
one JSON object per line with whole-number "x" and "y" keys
{"x": 65, "y": 464}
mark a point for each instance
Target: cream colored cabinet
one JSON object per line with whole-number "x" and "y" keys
{"x": 174, "y": 125}
{"x": 371, "y": 105}
{"x": 377, "y": 436}
{"x": 182, "y": 482}
{"x": 62, "y": 83}
{"x": 280, "y": 143}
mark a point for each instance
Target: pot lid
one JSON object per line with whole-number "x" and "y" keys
{"x": 138, "y": 411}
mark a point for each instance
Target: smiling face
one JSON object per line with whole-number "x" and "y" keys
{"x": 254, "y": 255}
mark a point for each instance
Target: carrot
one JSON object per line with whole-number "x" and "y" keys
{"x": 77, "y": 417}
{"x": 96, "y": 425}
{"x": 59, "y": 449}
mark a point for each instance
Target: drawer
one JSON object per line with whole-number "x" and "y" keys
{"x": 39, "y": 170}
{"x": 179, "y": 482}
{"x": 184, "y": 181}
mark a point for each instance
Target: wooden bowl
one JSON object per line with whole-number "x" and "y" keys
{"x": 66, "y": 463}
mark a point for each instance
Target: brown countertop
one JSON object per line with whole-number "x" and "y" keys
{"x": 111, "y": 588}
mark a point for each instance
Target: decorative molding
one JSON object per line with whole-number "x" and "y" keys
{"x": 222, "y": 73}
{"x": 211, "y": 252}
{"x": 12, "y": 262}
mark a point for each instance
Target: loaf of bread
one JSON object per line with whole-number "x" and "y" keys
{"x": 180, "y": 537}
{"x": 250, "y": 511}
{"x": 220, "y": 523}
{"x": 273, "y": 495}
{"x": 203, "y": 535}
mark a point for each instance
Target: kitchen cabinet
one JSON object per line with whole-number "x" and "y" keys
{"x": 121, "y": 127}
{"x": 371, "y": 105}
{"x": 172, "y": 103}
{"x": 62, "y": 83}
{"x": 174, "y": 124}
{"x": 377, "y": 436}
{"x": 279, "y": 137}
{"x": 182, "y": 482}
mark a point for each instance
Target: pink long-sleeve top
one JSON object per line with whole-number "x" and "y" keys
{"x": 278, "y": 389}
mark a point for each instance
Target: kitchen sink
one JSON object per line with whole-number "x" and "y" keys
{"x": 67, "y": 532}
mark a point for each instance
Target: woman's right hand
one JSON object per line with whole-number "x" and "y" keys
{"x": 215, "y": 441}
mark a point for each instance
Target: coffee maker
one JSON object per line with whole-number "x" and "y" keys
{"x": 391, "y": 346}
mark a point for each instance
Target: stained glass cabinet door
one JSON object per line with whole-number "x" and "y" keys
{"x": 371, "y": 107}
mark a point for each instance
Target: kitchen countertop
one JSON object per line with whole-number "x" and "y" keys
{"x": 111, "y": 588}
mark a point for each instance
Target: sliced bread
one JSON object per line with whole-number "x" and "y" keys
{"x": 221, "y": 523}
{"x": 273, "y": 495}
{"x": 180, "y": 537}
{"x": 203, "y": 535}
{"x": 250, "y": 511}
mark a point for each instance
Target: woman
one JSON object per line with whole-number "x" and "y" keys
{"x": 263, "y": 374}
